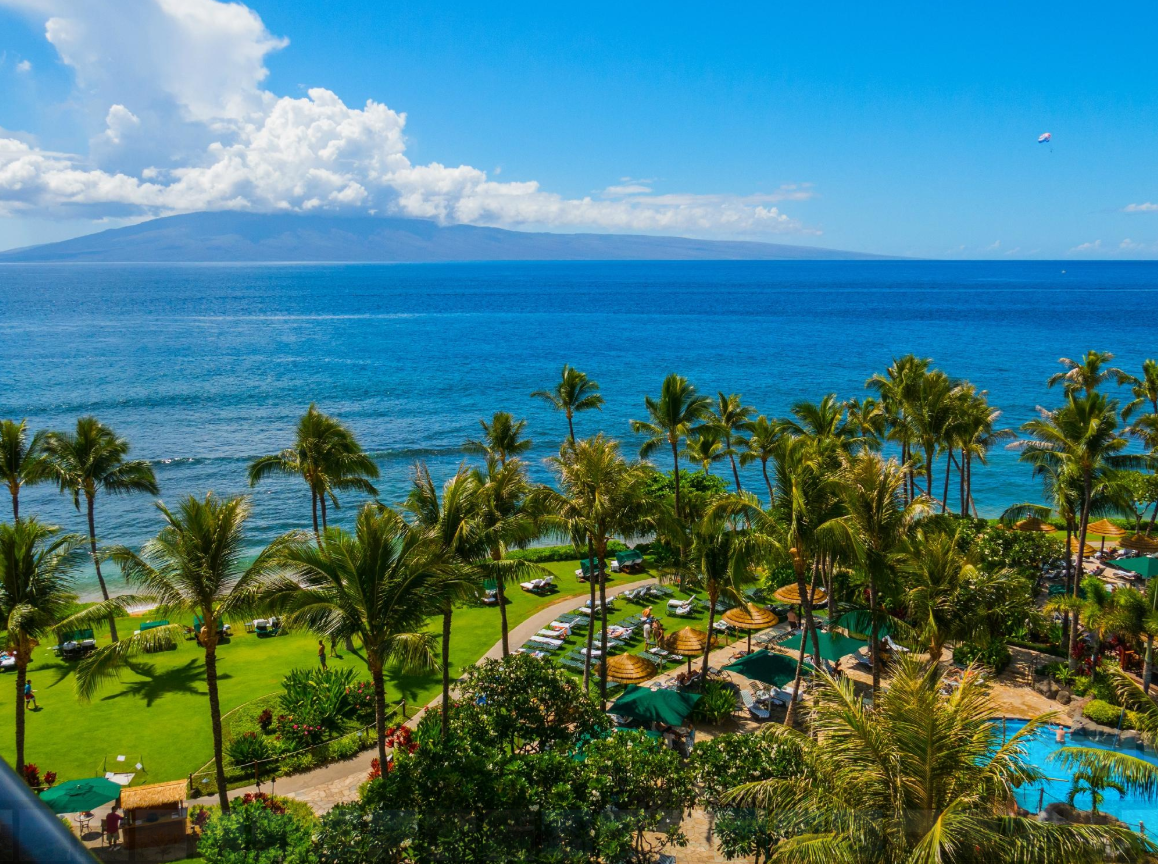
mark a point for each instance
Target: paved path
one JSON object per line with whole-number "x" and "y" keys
{"x": 337, "y": 782}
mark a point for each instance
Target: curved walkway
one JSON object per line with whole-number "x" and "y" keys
{"x": 338, "y": 782}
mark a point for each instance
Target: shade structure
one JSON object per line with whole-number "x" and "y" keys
{"x": 1139, "y": 543}
{"x": 1146, "y": 567}
{"x": 750, "y": 617}
{"x": 790, "y": 594}
{"x": 1105, "y": 527}
{"x": 766, "y": 667}
{"x": 79, "y": 796}
{"x": 833, "y": 646}
{"x": 629, "y": 668}
{"x": 1033, "y": 524}
{"x": 859, "y": 624}
{"x": 687, "y": 641}
{"x": 1086, "y": 550}
{"x": 628, "y": 557}
{"x": 670, "y": 707}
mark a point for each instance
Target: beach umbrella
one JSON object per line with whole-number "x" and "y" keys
{"x": 766, "y": 667}
{"x": 1145, "y": 567}
{"x": 1139, "y": 543}
{"x": 1087, "y": 550}
{"x": 80, "y": 796}
{"x": 1106, "y": 528}
{"x": 670, "y": 707}
{"x": 1032, "y": 524}
{"x": 688, "y": 641}
{"x": 629, "y": 668}
{"x": 790, "y": 594}
{"x": 751, "y": 617}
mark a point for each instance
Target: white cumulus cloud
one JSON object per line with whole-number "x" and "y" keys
{"x": 24, "y": 66}
{"x": 181, "y": 121}
{"x": 1140, "y": 208}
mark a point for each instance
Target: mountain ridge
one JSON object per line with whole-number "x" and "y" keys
{"x": 237, "y": 237}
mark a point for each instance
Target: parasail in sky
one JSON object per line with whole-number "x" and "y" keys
{"x": 1044, "y": 138}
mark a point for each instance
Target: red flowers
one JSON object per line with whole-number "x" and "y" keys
{"x": 32, "y": 776}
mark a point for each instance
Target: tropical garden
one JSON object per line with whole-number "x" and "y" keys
{"x": 863, "y": 507}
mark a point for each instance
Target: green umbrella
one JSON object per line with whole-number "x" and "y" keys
{"x": 79, "y": 796}
{"x": 655, "y": 706}
{"x": 765, "y": 667}
{"x": 1145, "y": 567}
{"x": 833, "y": 646}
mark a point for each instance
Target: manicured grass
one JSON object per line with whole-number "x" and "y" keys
{"x": 158, "y": 711}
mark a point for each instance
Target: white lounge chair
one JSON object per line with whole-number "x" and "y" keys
{"x": 755, "y": 710}
{"x": 546, "y": 640}
{"x": 532, "y": 586}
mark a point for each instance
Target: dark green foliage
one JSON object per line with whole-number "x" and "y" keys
{"x": 1105, "y": 714}
{"x": 320, "y": 697}
{"x": 248, "y": 748}
{"x": 994, "y": 655}
{"x": 547, "y": 554}
{"x": 716, "y": 703}
{"x": 255, "y": 833}
{"x": 357, "y": 834}
{"x": 1020, "y": 551}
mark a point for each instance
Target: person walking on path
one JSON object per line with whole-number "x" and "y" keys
{"x": 322, "y": 654}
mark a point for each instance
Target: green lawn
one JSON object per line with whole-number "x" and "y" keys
{"x": 158, "y": 712}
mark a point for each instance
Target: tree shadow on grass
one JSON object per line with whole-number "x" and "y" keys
{"x": 152, "y": 685}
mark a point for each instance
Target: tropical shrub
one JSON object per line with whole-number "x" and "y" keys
{"x": 265, "y": 720}
{"x": 342, "y": 749}
{"x": 716, "y": 703}
{"x": 995, "y": 655}
{"x": 319, "y": 697}
{"x": 257, "y": 831}
{"x": 295, "y": 764}
{"x": 1105, "y": 714}
{"x": 548, "y": 554}
{"x": 32, "y": 776}
{"x": 248, "y": 748}
{"x": 357, "y": 834}
{"x": 1021, "y": 551}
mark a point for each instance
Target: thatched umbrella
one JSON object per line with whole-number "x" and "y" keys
{"x": 751, "y": 617}
{"x": 790, "y": 594}
{"x": 1033, "y": 524}
{"x": 1139, "y": 543}
{"x": 1106, "y": 528}
{"x": 629, "y": 668}
{"x": 687, "y": 642}
{"x": 1086, "y": 551}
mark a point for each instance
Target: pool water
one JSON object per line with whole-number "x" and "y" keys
{"x": 1131, "y": 809}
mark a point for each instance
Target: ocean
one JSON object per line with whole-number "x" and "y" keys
{"x": 204, "y": 367}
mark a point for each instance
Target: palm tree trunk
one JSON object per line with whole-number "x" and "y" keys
{"x": 500, "y": 594}
{"x": 570, "y": 427}
{"x": 447, "y": 611}
{"x": 379, "y": 708}
{"x": 675, "y": 461}
{"x": 215, "y": 712}
{"x": 15, "y": 503}
{"x": 735, "y": 470}
{"x": 97, "y": 561}
{"x": 1082, "y": 527}
{"x": 713, "y": 595}
{"x": 874, "y": 643}
{"x": 767, "y": 482}
{"x": 1148, "y": 665}
{"x": 809, "y": 619}
{"x": 602, "y": 625}
{"x": 21, "y": 677}
{"x": 791, "y": 715}
{"x": 1069, "y": 583}
{"x": 590, "y": 618}
{"x": 929, "y": 474}
{"x": 322, "y": 498}
{"x": 945, "y": 495}
{"x": 314, "y": 510}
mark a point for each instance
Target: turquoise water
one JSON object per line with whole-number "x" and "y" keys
{"x": 1130, "y": 809}
{"x": 204, "y": 367}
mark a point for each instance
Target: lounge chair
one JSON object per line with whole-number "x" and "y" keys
{"x": 547, "y": 642}
{"x": 755, "y": 710}
{"x": 532, "y": 586}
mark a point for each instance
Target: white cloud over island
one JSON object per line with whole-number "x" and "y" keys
{"x": 173, "y": 91}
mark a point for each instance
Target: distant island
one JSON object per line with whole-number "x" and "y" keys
{"x": 259, "y": 237}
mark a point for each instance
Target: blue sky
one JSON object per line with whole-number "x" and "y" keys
{"x": 897, "y": 128}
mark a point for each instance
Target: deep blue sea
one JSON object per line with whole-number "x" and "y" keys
{"x": 204, "y": 367}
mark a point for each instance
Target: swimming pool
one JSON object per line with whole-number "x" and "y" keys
{"x": 1129, "y": 808}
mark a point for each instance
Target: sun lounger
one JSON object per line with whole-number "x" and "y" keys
{"x": 755, "y": 710}
{"x": 546, "y": 641}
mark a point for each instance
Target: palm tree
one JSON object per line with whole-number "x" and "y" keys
{"x": 90, "y": 459}
{"x": 37, "y": 570}
{"x": 825, "y": 422}
{"x": 919, "y": 777}
{"x": 195, "y": 565}
{"x": 899, "y": 390}
{"x": 936, "y": 571}
{"x": 932, "y": 417}
{"x": 502, "y": 439}
{"x": 764, "y": 435}
{"x": 508, "y": 517}
{"x": 1079, "y": 443}
{"x": 603, "y": 496}
{"x": 327, "y": 456}
{"x": 732, "y": 419}
{"x": 379, "y": 584}
{"x": 868, "y": 422}
{"x": 21, "y": 462}
{"x": 672, "y": 417}
{"x": 451, "y": 521}
{"x": 1144, "y": 389}
{"x": 705, "y": 447}
{"x": 974, "y": 434}
{"x": 876, "y": 524}
{"x": 1087, "y": 374}
{"x": 575, "y": 392}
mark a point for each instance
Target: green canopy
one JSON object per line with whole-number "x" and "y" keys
{"x": 1145, "y": 567}
{"x": 630, "y": 556}
{"x": 766, "y": 667}
{"x": 79, "y": 796}
{"x": 860, "y": 622}
{"x": 655, "y": 706}
{"x": 586, "y": 566}
{"x": 833, "y": 646}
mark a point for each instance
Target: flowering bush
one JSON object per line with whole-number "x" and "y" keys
{"x": 265, "y": 720}
{"x": 361, "y": 697}
{"x": 49, "y": 778}
{"x": 273, "y": 805}
{"x": 32, "y": 776}
{"x": 248, "y": 748}
{"x": 376, "y": 769}
{"x": 297, "y": 734}
{"x": 401, "y": 738}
